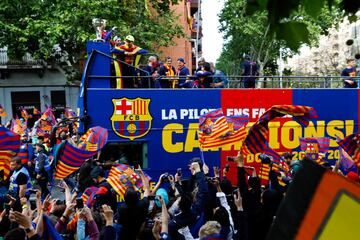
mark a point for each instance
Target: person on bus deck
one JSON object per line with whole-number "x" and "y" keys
{"x": 250, "y": 71}
{"x": 152, "y": 69}
{"x": 219, "y": 78}
{"x": 205, "y": 78}
{"x": 183, "y": 73}
{"x": 349, "y": 74}
{"x": 127, "y": 53}
{"x": 201, "y": 63}
{"x": 166, "y": 71}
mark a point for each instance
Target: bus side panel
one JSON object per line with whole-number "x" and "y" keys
{"x": 253, "y": 102}
{"x": 172, "y": 139}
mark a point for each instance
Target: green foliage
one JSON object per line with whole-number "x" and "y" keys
{"x": 280, "y": 11}
{"x": 255, "y": 34}
{"x": 36, "y": 26}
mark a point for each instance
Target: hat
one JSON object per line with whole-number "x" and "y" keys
{"x": 97, "y": 171}
{"x": 129, "y": 38}
{"x": 181, "y": 60}
{"x": 162, "y": 192}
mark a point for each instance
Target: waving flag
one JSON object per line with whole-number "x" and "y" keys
{"x": 315, "y": 148}
{"x": 69, "y": 113}
{"x": 18, "y": 126}
{"x": 9, "y": 140}
{"x": 24, "y": 114}
{"x": 213, "y": 128}
{"x": 346, "y": 163}
{"x": 351, "y": 145}
{"x": 122, "y": 177}
{"x": 2, "y": 111}
{"x": 70, "y": 159}
{"x": 257, "y": 138}
{"x": 36, "y": 111}
{"x": 94, "y": 139}
{"x": 5, "y": 157}
{"x": 48, "y": 115}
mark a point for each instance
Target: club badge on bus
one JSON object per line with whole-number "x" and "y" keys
{"x": 131, "y": 117}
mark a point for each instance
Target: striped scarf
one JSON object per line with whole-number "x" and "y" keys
{"x": 256, "y": 140}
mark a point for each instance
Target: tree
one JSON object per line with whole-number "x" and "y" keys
{"x": 253, "y": 34}
{"x": 35, "y": 27}
{"x": 283, "y": 15}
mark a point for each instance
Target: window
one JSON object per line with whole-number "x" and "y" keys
{"x": 126, "y": 152}
{"x": 27, "y": 101}
{"x": 58, "y": 102}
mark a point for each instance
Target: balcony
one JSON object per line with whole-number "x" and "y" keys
{"x": 26, "y": 62}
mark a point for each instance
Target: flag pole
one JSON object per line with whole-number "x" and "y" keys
{"x": 202, "y": 156}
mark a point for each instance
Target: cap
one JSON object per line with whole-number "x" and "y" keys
{"x": 162, "y": 192}
{"x": 181, "y": 60}
{"x": 129, "y": 38}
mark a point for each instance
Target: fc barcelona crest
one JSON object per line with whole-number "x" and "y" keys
{"x": 131, "y": 118}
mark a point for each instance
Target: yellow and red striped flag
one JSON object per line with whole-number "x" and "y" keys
{"x": 5, "y": 157}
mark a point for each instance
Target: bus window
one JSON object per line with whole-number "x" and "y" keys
{"x": 126, "y": 152}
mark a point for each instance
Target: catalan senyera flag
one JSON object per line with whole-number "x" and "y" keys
{"x": 319, "y": 204}
{"x": 70, "y": 159}
{"x": 3, "y": 113}
{"x": 351, "y": 145}
{"x": 257, "y": 137}
{"x": 9, "y": 141}
{"x": 5, "y": 157}
{"x": 212, "y": 126}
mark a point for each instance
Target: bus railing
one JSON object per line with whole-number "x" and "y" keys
{"x": 238, "y": 81}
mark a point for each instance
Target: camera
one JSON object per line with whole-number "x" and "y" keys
{"x": 265, "y": 159}
{"x": 79, "y": 203}
{"x": 179, "y": 172}
{"x": 165, "y": 177}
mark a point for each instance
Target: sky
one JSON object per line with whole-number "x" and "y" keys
{"x": 212, "y": 40}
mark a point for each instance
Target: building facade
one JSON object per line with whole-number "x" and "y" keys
{"x": 189, "y": 47}
{"x": 28, "y": 84}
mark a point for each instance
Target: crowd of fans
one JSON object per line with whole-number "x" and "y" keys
{"x": 207, "y": 205}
